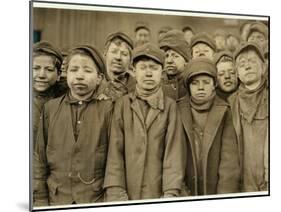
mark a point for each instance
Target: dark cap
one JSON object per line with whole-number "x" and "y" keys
{"x": 174, "y": 40}
{"x": 120, "y": 35}
{"x": 203, "y": 38}
{"x": 221, "y": 54}
{"x": 140, "y": 25}
{"x": 48, "y": 48}
{"x": 259, "y": 27}
{"x": 246, "y": 46}
{"x": 188, "y": 27}
{"x": 200, "y": 66}
{"x": 149, "y": 50}
{"x": 94, "y": 53}
{"x": 164, "y": 29}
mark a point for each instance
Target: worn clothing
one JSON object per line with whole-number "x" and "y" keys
{"x": 250, "y": 118}
{"x": 116, "y": 88}
{"x": 219, "y": 170}
{"x": 67, "y": 170}
{"x": 173, "y": 88}
{"x": 146, "y": 156}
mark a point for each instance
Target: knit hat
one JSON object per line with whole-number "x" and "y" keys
{"x": 249, "y": 45}
{"x": 174, "y": 40}
{"x": 122, "y": 36}
{"x": 149, "y": 50}
{"x": 199, "y": 66}
{"x": 203, "y": 38}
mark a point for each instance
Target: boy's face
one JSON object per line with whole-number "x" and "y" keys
{"x": 258, "y": 38}
{"x": 188, "y": 34}
{"x": 45, "y": 73}
{"x": 201, "y": 87}
{"x": 220, "y": 42}
{"x": 142, "y": 36}
{"x": 118, "y": 58}
{"x": 250, "y": 67}
{"x": 202, "y": 50}
{"x": 148, "y": 74}
{"x": 82, "y": 76}
{"x": 174, "y": 62}
{"x": 226, "y": 76}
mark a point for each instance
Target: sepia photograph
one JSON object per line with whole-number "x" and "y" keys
{"x": 142, "y": 105}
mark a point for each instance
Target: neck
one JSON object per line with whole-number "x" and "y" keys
{"x": 253, "y": 86}
{"x": 82, "y": 98}
{"x": 172, "y": 77}
{"x": 117, "y": 76}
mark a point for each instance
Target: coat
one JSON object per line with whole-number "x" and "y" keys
{"x": 146, "y": 157}
{"x": 221, "y": 168}
{"x": 65, "y": 170}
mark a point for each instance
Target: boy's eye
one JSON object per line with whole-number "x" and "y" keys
{"x": 88, "y": 71}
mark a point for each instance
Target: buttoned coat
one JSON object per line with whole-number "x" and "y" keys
{"x": 221, "y": 168}
{"x": 146, "y": 156}
{"x": 65, "y": 170}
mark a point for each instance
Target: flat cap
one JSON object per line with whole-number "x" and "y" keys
{"x": 120, "y": 35}
{"x": 203, "y": 38}
{"x": 246, "y": 46}
{"x": 174, "y": 39}
{"x": 46, "y": 47}
{"x": 221, "y": 54}
{"x": 140, "y": 25}
{"x": 164, "y": 29}
{"x": 188, "y": 27}
{"x": 149, "y": 50}
{"x": 199, "y": 66}
{"x": 94, "y": 53}
{"x": 259, "y": 27}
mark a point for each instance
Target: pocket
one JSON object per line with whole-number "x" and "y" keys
{"x": 101, "y": 155}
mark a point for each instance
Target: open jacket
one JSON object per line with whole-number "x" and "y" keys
{"x": 66, "y": 170}
{"x": 221, "y": 168}
{"x": 146, "y": 157}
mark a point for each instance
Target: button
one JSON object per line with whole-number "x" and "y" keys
{"x": 78, "y": 122}
{"x": 80, "y": 102}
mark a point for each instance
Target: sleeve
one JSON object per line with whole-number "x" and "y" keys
{"x": 40, "y": 166}
{"x": 114, "y": 182}
{"x": 229, "y": 169}
{"x": 175, "y": 155}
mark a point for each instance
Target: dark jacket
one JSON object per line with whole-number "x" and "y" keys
{"x": 221, "y": 169}
{"x": 65, "y": 170}
{"x": 146, "y": 157}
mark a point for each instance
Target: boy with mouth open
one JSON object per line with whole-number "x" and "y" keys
{"x": 71, "y": 148}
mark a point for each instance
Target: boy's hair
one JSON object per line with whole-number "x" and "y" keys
{"x": 56, "y": 61}
{"x": 117, "y": 41}
{"x": 79, "y": 52}
{"x": 225, "y": 59}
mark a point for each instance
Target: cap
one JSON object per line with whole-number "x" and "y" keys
{"x": 96, "y": 56}
{"x": 164, "y": 29}
{"x": 150, "y": 50}
{"x": 203, "y": 38}
{"x": 120, "y": 35}
{"x": 248, "y": 45}
{"x": 46, "y": 47}
{"x": 220, "y": 54}
{"x": 140, "y": 25}
{"x": 199, "y": 66}
{"x": 260, "y": 27}
{"x": 188, "y": 27}
{"x": 174, "y": 39}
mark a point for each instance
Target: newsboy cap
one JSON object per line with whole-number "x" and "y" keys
{"x": 249, "y": 45}
{"x": 94, "y": 53}
{"x": 188, "y": 27}
{"x": 259, "y": 27}
{"x": 203, "y": 37}
{"x": 122, "y": 36}
{"x": 221, "y": 54}
{"x": 174, "y": 39}
{"x": 46, "y": 47}
{"x": 149, "y": 50}
{"x": 140, "y": 25}
{"x": 200, "y": 66}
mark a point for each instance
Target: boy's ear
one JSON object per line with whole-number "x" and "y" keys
{"x": 100, "y": 78}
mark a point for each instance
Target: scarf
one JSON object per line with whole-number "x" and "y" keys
{"x": 202, "y": 105}
{"x": 249, "y": 100}
{"x": 154, "y": 98}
